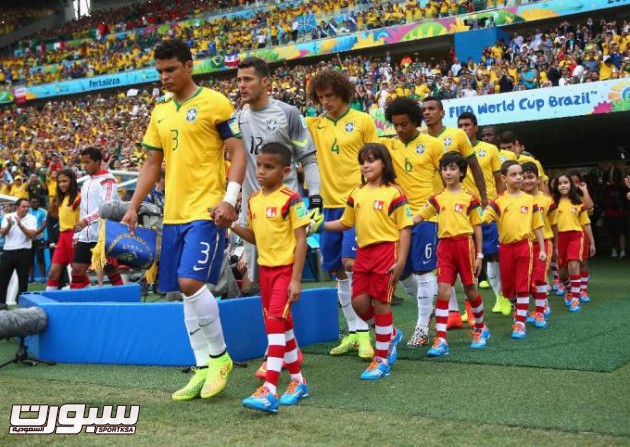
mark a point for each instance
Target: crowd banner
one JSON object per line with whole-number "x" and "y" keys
{"x": 86, "y": 85}
{"x": 366, "y": 39}
{"x": 545, "y": 103}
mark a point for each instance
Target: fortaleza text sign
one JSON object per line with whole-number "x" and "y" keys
{"x": 546, "y": 103}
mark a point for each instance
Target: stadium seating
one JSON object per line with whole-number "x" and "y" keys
{"x": 13, "y": 18}
{"x": 113, "y": 46}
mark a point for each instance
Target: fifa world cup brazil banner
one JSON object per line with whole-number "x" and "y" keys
{"x": 542, "y": 104}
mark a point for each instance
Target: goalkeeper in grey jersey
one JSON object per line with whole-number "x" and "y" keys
{"x": 265, "y": 120}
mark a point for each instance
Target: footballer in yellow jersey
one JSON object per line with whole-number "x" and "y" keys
{"x": 416, "y": 159}
{"x": 416, "y": 163}
{"x": 339, "y": 134}
{"x": 190, "y": 133}
{"x": 487, "y": 155}
{"x": 338, "y": 143}
{"x": 454, "y": 140}
{"x": 505, "y": 155}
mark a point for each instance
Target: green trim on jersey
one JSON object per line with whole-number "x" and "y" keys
{"x": 152, "y": 148}
{"x": 338, "y": 119}
{"x": 412, "y": 140}
{"x": 179, "y": 105}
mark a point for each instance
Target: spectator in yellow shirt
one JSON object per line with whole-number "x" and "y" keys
{"x": 18, "y": 188}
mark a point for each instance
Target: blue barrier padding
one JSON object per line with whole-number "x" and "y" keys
{"x": 129, "y": 293}
{"x": 110, "y": 325}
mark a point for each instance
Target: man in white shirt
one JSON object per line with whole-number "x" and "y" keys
{"x": 19, "y": 229}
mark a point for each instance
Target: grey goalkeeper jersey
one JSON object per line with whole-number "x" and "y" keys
{"x": 278, "y": 122}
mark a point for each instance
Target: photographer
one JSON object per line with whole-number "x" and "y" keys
{"x": 19, "y": 229}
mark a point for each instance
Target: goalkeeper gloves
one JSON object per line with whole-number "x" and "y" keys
{"x": 315, "y": 202}
{"x": 317, "y": 220}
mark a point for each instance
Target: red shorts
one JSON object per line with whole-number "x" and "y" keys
{"x": 541, "y": 269}
{"x": 516, "y": 268}
{"x": 274, "y": 290}
{"x": 370, "y": 271}
{"x": 64, "y": 251}
{"x": 456, "y": 255}
{"x": 572, "y": 246}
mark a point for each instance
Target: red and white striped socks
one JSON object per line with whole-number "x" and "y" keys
{"x": 576, "y": 285}
{"x": 540, "y": 296}
{"x": 441, "y": 318}
{"x": 383, "y": 334}
{"x": 522, "y": 306}
{"x": 275, "y": 352}
{"x": 477, "y": 310}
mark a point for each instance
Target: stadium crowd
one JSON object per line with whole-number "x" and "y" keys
{"x": 107, "y": 53}
{"x": 13, "y": 18}
{"x": 569, "y": 53}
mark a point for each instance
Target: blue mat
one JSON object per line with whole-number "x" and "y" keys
{"x": 111, "y": 325}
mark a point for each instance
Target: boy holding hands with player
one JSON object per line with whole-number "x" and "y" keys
{"x": 277, "y": 219}
{"x": 518, "y": 217}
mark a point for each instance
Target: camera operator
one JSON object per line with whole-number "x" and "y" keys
{"x": 19, "y": 229}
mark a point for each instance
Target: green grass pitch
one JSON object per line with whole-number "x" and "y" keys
{"x": 564, "y": 386}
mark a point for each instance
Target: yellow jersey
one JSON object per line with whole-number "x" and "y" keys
{"x": 570, "y": 217}
{"x": 415, "y": 164}
{"x": 69, "y": 213}
{"x": 488, "y": 157}
{"x": 458, "y": 212}
{"x": 517, "y": 216}
{"x": 525, "y": 158}
{"x": 191, "y": 135}
{"x": 338, "y": 143}
{"x": 452, "y": 140}
{"x": 378, "y": 213}
{"x": 547, "y": 208}
{"x": 505, "y": 155}
{"x": 273, "y": 218}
